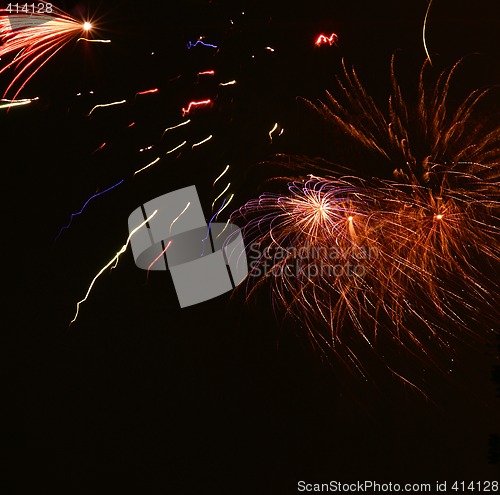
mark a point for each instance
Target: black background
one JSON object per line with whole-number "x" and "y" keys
{"x": 219, "y": 397}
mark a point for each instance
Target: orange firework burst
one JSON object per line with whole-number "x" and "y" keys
{"x": 34, "y": 37}
{"x": 413, "y": 259}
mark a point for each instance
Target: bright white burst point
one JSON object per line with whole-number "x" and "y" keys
{"x": 87, "y": 26}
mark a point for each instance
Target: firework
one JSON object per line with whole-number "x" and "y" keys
{"x": 410, "y": 259}
{"x": 34, "y": 38}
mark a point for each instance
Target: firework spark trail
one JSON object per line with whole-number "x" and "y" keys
{"x": 156, "y": 259}
{"x": 272, "y": 131}
{"x": 221, "y": 194}
{"x": 409, "y": 259}
{"x": 224, "y": 206}
{"x": 4, "y": 103}
{"x": 173, "y": 150}
{"x": 34, "y": 39}
{"x": 179, "y": 216}
{"x": 146, "y": 92}
{"x": 114, "y": 261}
{"x": 322, "y": 39}
{"x": 203, "y": 141}
{"x": 175, "y": 127}
{"x": 73, "y": 215}
{"x": 200, "y": 42}
{"x": 105, "y": 105}
{"x": 100, "y": 148}
{"x": 221, "y": 175}
{"x": 228, "y": 83}
{"x": 424, "y": 32}
{"x": 93, "y": 41}
{"x": 208, "y": 227}
{"x": 147, "y": 166}
{"x": 195, "y": 104}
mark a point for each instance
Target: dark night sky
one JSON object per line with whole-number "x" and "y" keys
{"x": 216, "y": 398}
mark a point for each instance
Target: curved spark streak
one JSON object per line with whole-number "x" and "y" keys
{"x": 147, "y": 166}
{"x": 272, "y": 130}
{"x": 323, "y": 39}
{"x": 200, "y": 42}
{"x": 93, "y": 41}
{"x": 424, "y": 29}
{"x": 195, "y": 104}
{"x": 34, "y": 39}
{"x": 178, "y": 216}
{"x": 224, "y": 206}
{"x": 221, "y": 194}
{"x": 225, "y": 227}
{"x": 157, "y": 258}
{"x": 109, "y": 264}
{"x": 176, "y": 148}
{"x": 73, "y": 215}
{"x": 175, "y": 126}
{"x": 208, "y": 227}
{"x": 225, "y": 170}
{"x": 104, "y": 105}
{"x": 17, "y": 103}
{"x": 202, "y": 141}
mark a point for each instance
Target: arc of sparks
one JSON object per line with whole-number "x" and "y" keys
{"x": 147, "y": 166}
{"x": 424, "y": 33}
{"x": 109, "y": 264}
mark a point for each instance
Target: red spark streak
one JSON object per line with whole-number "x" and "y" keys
{"x": 192, "y": 104}
{"x": 322, "y": 39}
{"x": 147, "y": 92}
